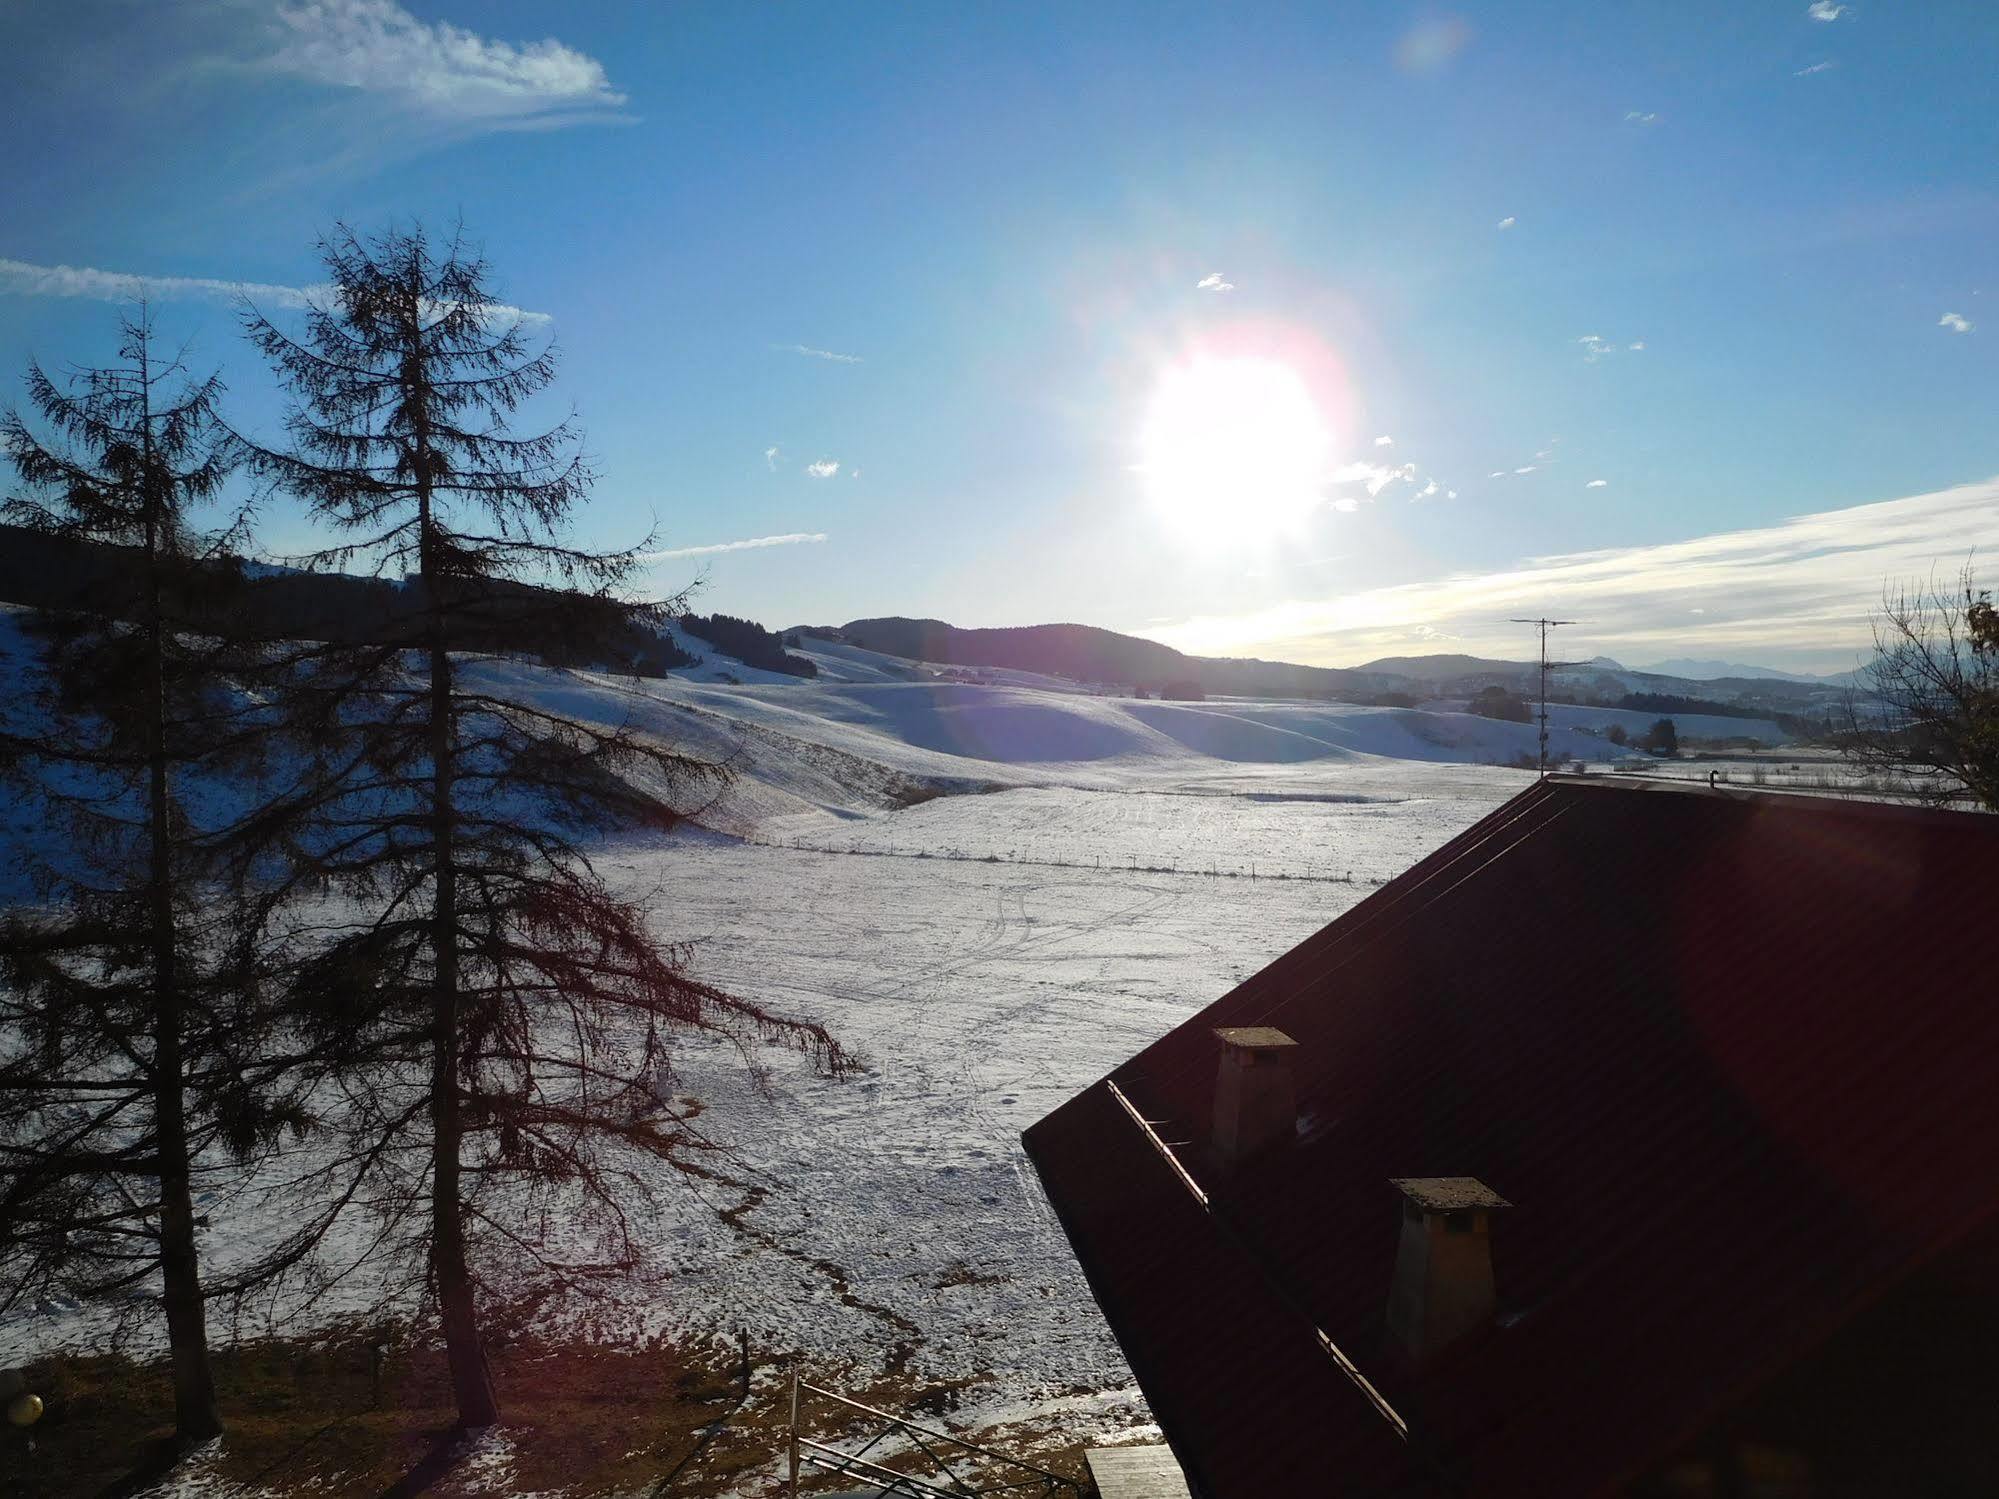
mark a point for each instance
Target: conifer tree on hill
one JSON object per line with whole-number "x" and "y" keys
{"x": 501, "y": 1021}
{"x": 130, "y": 1062}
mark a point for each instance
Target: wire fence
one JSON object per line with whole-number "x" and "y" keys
{"x": 1213, "y": 870}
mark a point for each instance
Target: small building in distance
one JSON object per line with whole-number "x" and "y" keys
{"x": 1644, "y": 1139}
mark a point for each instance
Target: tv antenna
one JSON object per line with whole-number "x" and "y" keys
{"x": 1545, "y": 626}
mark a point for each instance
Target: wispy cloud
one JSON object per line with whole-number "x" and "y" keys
{"x": 1799, "y": 592}
{"x": 1817, "y": 67}
{"x": 1641, "y": 117}
{"x": 1956, "y": 322}
{"x": 440, "y": 70}
{"x": 1826, "y": 10}
{"x": 789, "y": 539}
{"x": 1373, "y": 477}
{"x": 825, "y": 468}
{"x": 1214, "y": 282}
{"x": 770, "y": 457}
{"x": 22, "y": 278}
{"x": 1595, "y": 346}
{"x": 811, "y": 353}
{"x": 1597, "y": 484}
{"x": 1363, "y": 480}
{"x": 1506, "y": 223}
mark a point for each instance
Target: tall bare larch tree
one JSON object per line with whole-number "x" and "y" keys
{"x": 128, "y": 1053}
{"x": 500, "y": 1020}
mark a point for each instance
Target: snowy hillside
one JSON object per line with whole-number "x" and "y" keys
{"x": 789, "y": 738}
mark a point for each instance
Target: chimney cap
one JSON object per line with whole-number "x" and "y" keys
{"x": 1254, "y": 1037}
{"x": 1448, "y": 1194}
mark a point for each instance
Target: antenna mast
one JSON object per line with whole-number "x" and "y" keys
{"x": 1545, "y": 626}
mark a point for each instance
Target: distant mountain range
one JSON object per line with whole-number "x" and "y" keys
{"x": 1707, "y": 671}
{"x": 1085, "y": 653}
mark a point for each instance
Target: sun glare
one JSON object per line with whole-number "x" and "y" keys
{"x": 1234, "y": 448}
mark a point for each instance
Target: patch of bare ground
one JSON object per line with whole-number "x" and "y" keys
{"x": 330, "y": 1418}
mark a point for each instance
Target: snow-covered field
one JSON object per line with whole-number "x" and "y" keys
{"x": 994, "y": 894}
{"x": 983, "y": 989}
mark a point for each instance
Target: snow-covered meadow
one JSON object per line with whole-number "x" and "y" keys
{"x": 981, "y": 994}
{"x": 1093, "y": 871}
{"x": 993, "y": 894}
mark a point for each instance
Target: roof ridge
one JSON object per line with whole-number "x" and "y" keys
{"x": 1816, "y": 800}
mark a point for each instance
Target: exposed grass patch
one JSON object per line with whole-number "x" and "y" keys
{"x": 315, "y": 1416}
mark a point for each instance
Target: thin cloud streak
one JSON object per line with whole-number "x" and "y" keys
{"x": 790, "y": 538}
{"x": 1798, "y": 593}
{"x": 811, "y": 353}
{"x": 23, "y": 278}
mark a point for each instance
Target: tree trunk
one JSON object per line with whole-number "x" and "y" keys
{"x": 471, "y": 1380}
{"x": 195, "y": 1416}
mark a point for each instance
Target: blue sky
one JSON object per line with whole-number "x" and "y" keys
{"x": 1736, "y": 261}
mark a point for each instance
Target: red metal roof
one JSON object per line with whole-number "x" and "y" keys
{"x": 1731, "y": 1056}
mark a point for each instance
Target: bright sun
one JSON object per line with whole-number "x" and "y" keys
{"x": 1234, "y": 448}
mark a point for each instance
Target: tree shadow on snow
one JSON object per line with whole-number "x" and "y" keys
{"x": 440, "y": 1456}
{"x": 160, "y": 1460}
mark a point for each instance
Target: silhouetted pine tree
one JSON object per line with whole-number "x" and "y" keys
{"x": 128, "y": 1066}
{"x": 500, "y": 1018}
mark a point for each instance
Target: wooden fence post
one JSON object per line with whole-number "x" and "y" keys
{"x": 793, "y": 1487}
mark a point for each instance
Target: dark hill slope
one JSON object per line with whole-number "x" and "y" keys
{"x": 45, "y": 571}
{"x": 1085, "y": 653}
